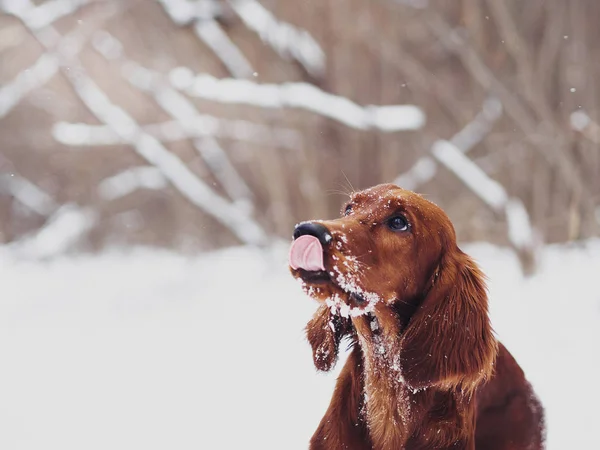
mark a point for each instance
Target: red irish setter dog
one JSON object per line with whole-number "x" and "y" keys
{"x": 425, "y": 370}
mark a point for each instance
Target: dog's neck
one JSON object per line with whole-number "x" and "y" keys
{"x": 392, "y": 409}
{"x": 387, "y": 398}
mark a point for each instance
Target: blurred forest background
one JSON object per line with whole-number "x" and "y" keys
{"x": 200, "y": 124}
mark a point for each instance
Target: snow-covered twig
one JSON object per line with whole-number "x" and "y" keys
{"x": 172, "y": 168}
{"x": 287, "y": 40}
{"x": 466, "y": 139}
{"x": 69, "y": 222}
{"x": 38, "y": 18}
{"x": 194, "y": 189}
{"x": 216, "y": 158}
{"x": 50, "y": 11}
{"x": 211, "y": 33}
{"x": 27, "y": 194}
{"x": 64, "y": 228}
{"x": 556, "y": 154}
{"x": 26, "y": 81}
{"x": 298, "y": 95}
{"x": 582, "y": 122}
{"x": 182, "y": 110}
{"x": 520, "y": 231}
{"x": 82, "y": 134}
{"x": 184, "y": 12}
{"x": 128, "y": 181}
{"x": 202, "y": 14}
{"x": 490, "y": 191}
{"x": 180, "y": 176}
{"x": 476, "y": 130}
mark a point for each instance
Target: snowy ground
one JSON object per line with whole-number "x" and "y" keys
{"x": 151, "y": 350}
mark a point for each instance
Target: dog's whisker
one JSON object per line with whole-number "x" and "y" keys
{"x": 349, "y": 183}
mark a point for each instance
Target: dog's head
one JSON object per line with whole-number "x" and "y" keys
{"x": 391, "y": 267}
{"x": 386, "y": 247}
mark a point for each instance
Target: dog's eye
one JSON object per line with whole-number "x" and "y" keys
{"x": 398, "y": 223}
{"x": 348, "y": 209}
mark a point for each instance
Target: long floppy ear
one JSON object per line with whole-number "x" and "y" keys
{"x": 449, "y": 340}
{"x": 324, "y": 333}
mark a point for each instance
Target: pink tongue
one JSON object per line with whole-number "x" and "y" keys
{"x": 306, "y": 253}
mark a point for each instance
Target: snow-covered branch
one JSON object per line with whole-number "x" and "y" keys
{"x": 182, "y": 110}
{"x": 28, "y": 194}
{"x": 216, "y": 158}
{"x": 64, "y": 228}
{"x": 81, "y": 134}
{"x": 68, "y": 223}
{"x": 172, "y": 168}
{"x": 202, "y": 14}
{"x": 476, "y": 130}
{"x": 466, "y": 139}
{"x": 50, "y": 11}
{"x": 298, "y": 95}
{"x": 184, "y": 12}
{"x": 582, "y": 122}
{"x": 65, "y": 224}
{"x": 130, "y": 180}
{"x": 194, "y": 189}
{"x": 39, "y": 19}
{"x": 287, "y": 40}
{"x": 26, "y": 81}
{"x": 520, "y": 231}
{"x": 213, "y": 35}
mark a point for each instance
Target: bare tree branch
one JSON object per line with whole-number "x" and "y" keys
{"x": 472, "y": 134}
{"x": 520, "y": 231}
{"x": 518, "y": 48}
{"x": 554, "y": 153}
{"x": 287, "y": 40}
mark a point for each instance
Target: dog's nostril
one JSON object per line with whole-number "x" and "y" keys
{"x": 313, "y": 229}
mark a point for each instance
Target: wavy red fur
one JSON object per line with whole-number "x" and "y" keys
{"x": 425, "y": 371}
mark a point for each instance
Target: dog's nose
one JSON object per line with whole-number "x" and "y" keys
{"x": 313, "y": 229}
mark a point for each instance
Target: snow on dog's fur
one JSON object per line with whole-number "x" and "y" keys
{"x": 425, "y": 370}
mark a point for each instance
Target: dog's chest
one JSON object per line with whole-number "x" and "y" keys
{"x": 389, "y": 409}
{"x": 389, "y": 405}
